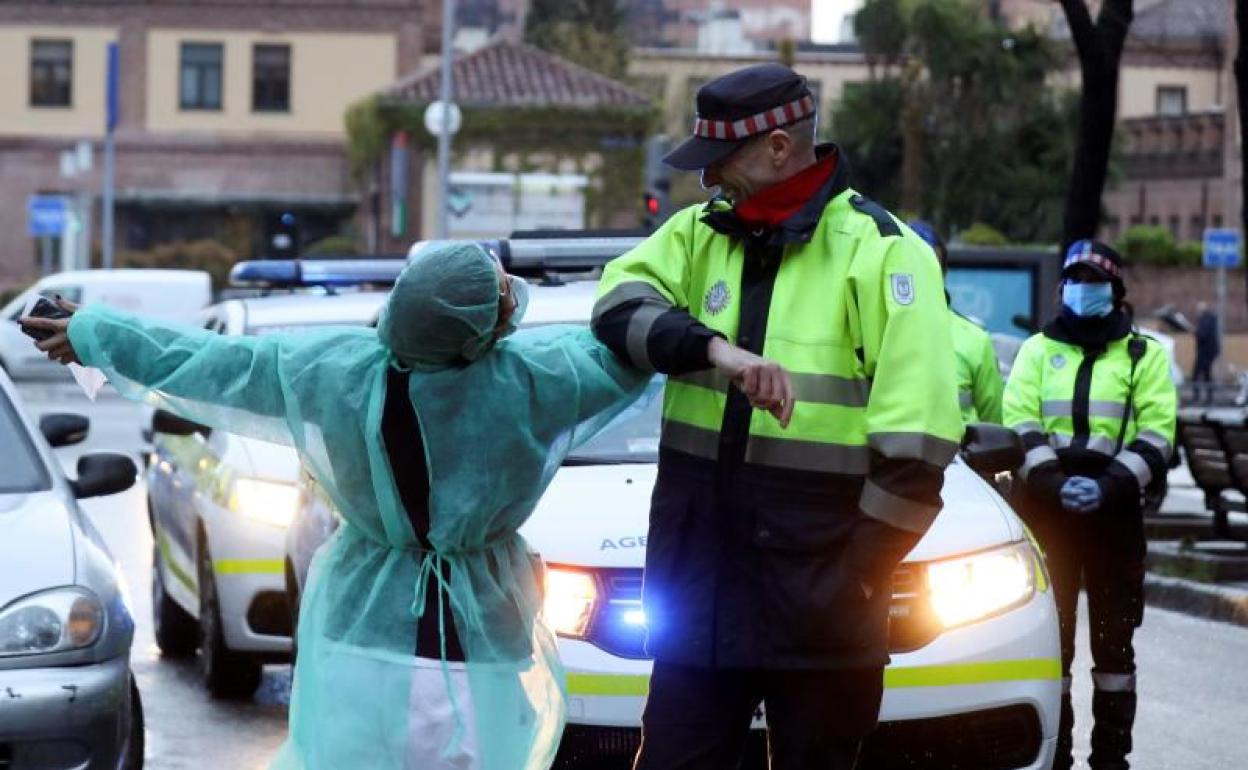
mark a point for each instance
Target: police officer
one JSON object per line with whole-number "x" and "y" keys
{"x": 809, "y": 412}
{"x": 979, "y": 379}
{"x": 1093, "y": 402}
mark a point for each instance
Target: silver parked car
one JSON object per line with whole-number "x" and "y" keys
{"x": 67, "y": 696}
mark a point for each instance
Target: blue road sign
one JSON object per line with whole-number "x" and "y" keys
{"x": 1221, "y": 247}
{"x": 112, "y": 87}
{"x": 46, "y": 215}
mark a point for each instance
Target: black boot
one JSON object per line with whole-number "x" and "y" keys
{"x": 1114, "y": 713}
{"x": 1064, "y": 758}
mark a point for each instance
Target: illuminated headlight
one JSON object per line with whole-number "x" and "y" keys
{"x": 974, "y": 587}
{"x": 571, "y": 597}
{"x": 267, "y": 502}
{"x": 59, "y": 620}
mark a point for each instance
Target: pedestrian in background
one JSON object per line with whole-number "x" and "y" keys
{"x": 809, "y": 413}
{"x": 1094, "y": 404}
{"x": 1208, "y": 348}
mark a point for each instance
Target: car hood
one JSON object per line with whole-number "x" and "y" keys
{"x": 36, "y": 544}
{"x": 598, "y": 516}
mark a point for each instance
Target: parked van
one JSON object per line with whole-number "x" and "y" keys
{"x": 176, "y": 295}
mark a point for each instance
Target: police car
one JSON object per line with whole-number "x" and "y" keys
{"x": 975, "y": 675}
{"x": 220, "y": 504}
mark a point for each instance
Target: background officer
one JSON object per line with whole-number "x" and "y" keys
{"x": 808, "y": 416}
{"x": 1094, "y": 404}
{"x": 979, "y": 379}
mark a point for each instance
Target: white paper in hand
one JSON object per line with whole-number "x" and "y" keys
{"x": 90, "y": 379}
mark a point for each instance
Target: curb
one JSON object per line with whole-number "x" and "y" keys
{"x": 1202, "y": 600}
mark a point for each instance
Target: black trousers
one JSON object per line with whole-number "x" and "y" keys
{"x": 1202, "y": 372}
{"x": 1103, "y": 554}
{"x": 699, "y": 719}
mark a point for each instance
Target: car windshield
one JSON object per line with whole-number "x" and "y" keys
{"x": 22, "y": 470}
{"x": 632, "y": 437}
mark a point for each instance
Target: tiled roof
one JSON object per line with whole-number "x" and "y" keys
{"x": 1188, "y": 20}
{"x": 1169, "y": 21}
{"x": 505, "y": 74}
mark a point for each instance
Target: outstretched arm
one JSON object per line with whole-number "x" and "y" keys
{"x": 202, "y": 376}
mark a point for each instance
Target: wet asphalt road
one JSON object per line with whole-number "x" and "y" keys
{"x": 1193, "y": 712}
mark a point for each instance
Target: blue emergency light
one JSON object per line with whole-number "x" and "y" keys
{"x": 295, "y": 273}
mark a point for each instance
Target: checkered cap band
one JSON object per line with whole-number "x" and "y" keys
{"x": 732, "y": 130}
{"x": 1082, "y": 252}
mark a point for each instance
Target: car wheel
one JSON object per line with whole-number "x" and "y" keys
{"x": 177, "y": 633}
{"x": 226, "y": 673}
{"x": 135, "y": 743}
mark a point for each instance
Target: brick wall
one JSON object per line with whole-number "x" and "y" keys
{"x": 1151, "y": 287}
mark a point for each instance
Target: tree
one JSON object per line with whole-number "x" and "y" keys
{"x": 591, "y": 33}
{"x": 958, "y": 123}
{"x": 1099, "y": 47}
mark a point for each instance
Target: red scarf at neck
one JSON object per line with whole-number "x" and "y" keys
{"x": 772, "y": 206}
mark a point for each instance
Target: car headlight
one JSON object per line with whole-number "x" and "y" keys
{"x": 571, "y": 596}
{"x": 980, "y": 585}
{"x": 52, "y": 621}
{"x": 267, "y": 502}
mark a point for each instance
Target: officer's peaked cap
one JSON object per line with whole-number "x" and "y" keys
{"x": 738, "y": 106}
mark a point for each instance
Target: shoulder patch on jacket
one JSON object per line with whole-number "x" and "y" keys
{"x": 883, "y": 221}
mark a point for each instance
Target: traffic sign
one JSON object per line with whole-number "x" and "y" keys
{"x": 1222, "y": 246}
{"x": 433, "y": 118}
{"x": 46, "y": 215}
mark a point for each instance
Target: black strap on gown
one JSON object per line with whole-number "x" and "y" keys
{"x": 405, "y": 447}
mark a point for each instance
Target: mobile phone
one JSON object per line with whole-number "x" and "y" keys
{"x": 43, "y": 308}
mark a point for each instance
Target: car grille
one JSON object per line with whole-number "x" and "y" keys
{"x": 994, "y": 739}
{"x": 614, "y": 628}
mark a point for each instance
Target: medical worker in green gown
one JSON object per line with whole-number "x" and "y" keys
{"x": 434, "y": 435}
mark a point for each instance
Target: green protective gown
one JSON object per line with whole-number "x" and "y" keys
{"x": 495, "y": 430}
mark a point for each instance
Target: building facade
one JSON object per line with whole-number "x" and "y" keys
{"x": 230, "y": 120}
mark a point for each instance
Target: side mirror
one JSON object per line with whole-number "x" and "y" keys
{"x": 168, "y": 422}
{"x": 991, "y": 449}
{"x": 64, "y": 429}
{"x": 103, "y": 473}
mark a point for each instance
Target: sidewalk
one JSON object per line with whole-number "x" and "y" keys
{"x": 1188, "y": 571}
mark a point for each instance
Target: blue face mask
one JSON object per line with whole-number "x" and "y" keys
{"x": 1088, "y": 300}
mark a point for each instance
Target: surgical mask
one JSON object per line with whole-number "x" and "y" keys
{"x": 1088, "y": 300}
{"x": 479, "y": 345}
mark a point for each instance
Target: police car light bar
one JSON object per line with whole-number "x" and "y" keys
{"x": 549, "y": 254}
{"x": 293, "y": 273}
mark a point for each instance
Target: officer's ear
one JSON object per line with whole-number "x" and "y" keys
{"x": 779, "y": 147}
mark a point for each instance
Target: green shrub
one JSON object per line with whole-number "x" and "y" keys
{"x": 208, "y": 255}
{"x": 980, "y": 234}
{"x": 334, "y": 245}
{"x": 1155, "y": 245}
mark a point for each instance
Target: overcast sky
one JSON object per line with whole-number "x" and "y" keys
{"x": 827, "y": 18}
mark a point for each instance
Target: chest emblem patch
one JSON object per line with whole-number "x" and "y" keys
{"x": 903, "y": 288}
{"x": 1058, "y": 361}
{"x": 717, "y": 298}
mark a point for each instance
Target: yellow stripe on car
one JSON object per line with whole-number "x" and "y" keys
{"x": 948, "y": 675}
{"x": 249, "y": 566}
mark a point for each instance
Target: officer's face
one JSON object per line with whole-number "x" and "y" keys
{"x": 756, "y": 164}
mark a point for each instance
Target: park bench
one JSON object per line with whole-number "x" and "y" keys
{"x": 1215, "y": 444}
